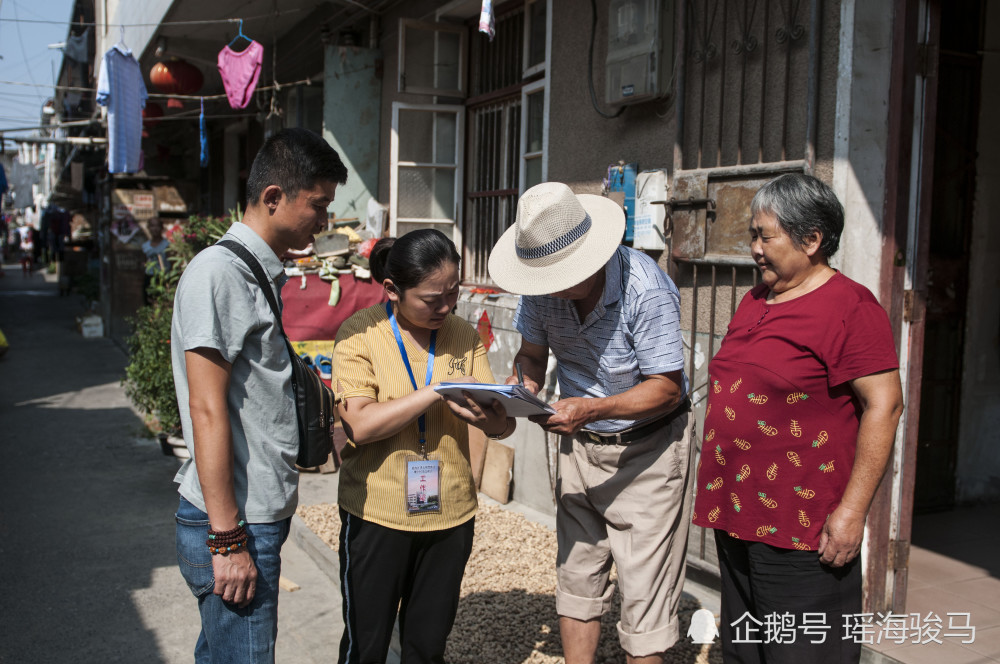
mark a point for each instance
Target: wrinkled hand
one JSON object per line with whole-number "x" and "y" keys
{"x": 571, "y": 415}
{"x": 840, "y": 541}
{"x": 529, "y": 384}
{"x": 235, "y": 578}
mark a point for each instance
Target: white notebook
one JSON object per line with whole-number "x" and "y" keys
{"x": 516, "y": 400}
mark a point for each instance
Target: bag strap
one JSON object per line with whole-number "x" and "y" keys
{"x": 258, "y": 272}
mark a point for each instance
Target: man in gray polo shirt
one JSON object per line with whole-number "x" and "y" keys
{"x": 612, "y": 319}
{"x": 232, "y": 373}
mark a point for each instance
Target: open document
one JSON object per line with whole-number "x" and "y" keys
{"x": 516, "y": 400}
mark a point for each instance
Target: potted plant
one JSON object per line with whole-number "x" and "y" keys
{"x": 149, "y": 379}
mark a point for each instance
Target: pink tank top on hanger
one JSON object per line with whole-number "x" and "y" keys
{"x": 240, "y": 72}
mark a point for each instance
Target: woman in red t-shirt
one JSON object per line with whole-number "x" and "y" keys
{"x": 804, "y": 400}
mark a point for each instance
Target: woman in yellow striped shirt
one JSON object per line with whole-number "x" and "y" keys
{"x": 407, "y": 497}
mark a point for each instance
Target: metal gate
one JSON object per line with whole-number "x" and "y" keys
{"x": 746, "y": 106}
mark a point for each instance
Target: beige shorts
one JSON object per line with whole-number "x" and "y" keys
{"x": 631, "y": 504}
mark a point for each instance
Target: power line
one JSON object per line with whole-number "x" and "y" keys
{"x": 20, "y": 40}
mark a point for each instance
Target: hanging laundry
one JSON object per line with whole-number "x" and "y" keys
{"x": 22, "y": 177}
{"x": 487, "y": 23}
{"x": 76, "y": 46}
{"x": 203, "y": 135}
{"x": 240, "y": 72}
{"x": 120, "y": 87}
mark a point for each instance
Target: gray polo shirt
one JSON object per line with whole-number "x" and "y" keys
{"x": 220, "y": 306}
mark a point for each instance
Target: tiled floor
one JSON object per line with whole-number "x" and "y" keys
{"x": 954, "y": 568}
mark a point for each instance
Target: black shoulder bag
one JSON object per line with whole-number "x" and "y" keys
{"x": 313, "y": 399}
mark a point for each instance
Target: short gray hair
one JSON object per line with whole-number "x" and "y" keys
{"x": 803, "y": 205}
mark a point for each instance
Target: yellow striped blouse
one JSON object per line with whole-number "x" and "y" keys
{"x": 367, "y": 363}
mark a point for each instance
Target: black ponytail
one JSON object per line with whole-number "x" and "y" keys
{"x": 378, "y": 257}
{"x": 409, "y": 259}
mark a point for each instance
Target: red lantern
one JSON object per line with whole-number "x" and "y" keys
{"x": 176, "y": 77}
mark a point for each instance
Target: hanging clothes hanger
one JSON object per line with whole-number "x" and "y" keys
{"x": 237, "y": 37}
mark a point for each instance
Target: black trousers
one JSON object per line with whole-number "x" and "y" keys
{"x": 799, "y": 605}
{"x": 384, "y": 568}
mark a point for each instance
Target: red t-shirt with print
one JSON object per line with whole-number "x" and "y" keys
{"x": 782, "y": 420}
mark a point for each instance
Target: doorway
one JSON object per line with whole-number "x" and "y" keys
{"x": 953, "y": 196}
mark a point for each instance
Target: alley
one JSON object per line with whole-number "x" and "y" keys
{"x": 87, "y": 561}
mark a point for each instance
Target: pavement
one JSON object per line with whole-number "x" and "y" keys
{"x": 87, "y": 559}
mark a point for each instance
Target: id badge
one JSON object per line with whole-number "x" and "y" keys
{"x": 423, "y": 489}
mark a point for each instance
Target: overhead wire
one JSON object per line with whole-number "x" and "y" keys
{"x": 20, "y": 39}
{"x": 152, "y": 25}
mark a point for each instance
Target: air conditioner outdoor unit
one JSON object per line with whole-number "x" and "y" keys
{"x": 640, "y": 50}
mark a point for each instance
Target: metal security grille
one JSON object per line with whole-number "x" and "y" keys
{"x": 749, "y": 83}
{"x": 494, "y": 116}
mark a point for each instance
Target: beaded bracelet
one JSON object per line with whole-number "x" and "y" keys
{"x": 226, "y": 550}
{"x": 213, "y": 534}
{"x": 219, "y": 539}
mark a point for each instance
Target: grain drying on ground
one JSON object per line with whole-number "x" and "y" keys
{"x": 507, "y": 614}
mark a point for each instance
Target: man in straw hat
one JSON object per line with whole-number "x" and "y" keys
{"x": 612, "y": 319}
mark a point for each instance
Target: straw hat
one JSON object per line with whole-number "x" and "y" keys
{"x": 558, "y": 240}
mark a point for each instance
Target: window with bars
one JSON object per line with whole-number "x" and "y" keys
{"x": 507, "y": 140}
{"x": 426, "y": 173}
{"x": 469, "y": 162}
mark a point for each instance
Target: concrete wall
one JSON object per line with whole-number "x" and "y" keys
{"x": 533, "y": 451}
{"x": 978, "y": 472}
{"x": 352, "y": 96}
{"x": 861, "y": 136}
{"x": 129, "y": 13}
{"x": 582, "y": 144}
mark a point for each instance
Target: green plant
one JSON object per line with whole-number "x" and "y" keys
{"x": 149, "y": 379}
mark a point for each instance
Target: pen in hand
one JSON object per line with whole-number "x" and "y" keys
{"x": 520, "y": 376}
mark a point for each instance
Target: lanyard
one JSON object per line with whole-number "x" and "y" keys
{"x": 406, "y": 361}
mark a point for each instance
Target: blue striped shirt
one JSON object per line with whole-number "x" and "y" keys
{"x": 633, "y": 331}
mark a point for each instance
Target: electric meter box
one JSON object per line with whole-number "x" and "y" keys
{"x": 640, "y": 51}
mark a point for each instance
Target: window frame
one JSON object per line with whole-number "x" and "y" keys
{"x": 528, "y": 91}
{"x": 459, "y": 167}
{"x": 542, "y": 66}
{"x": 461, "y": 31}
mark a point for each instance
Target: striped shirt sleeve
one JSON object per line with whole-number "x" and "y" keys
{"x": 528, "y": 321}
{"x": 655, "y": 327}
{"x": 352, "y": 363}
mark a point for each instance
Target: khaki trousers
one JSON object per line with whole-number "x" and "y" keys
{"x": 631, "y": 504}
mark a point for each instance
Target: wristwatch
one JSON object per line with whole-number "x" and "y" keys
{"x": 498, "y": 436}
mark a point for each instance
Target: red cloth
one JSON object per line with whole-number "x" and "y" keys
{"x": 306, "y": 315}
{"x": 782, "y": 420}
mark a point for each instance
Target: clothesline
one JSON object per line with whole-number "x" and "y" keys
{"x": 151, "y": 25}
{"x": 158, "y": 95}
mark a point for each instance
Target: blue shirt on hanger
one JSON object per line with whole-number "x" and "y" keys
{"x": 120, "y": 87}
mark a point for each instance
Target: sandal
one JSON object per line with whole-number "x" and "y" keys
{"x": 325, "y": 365}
